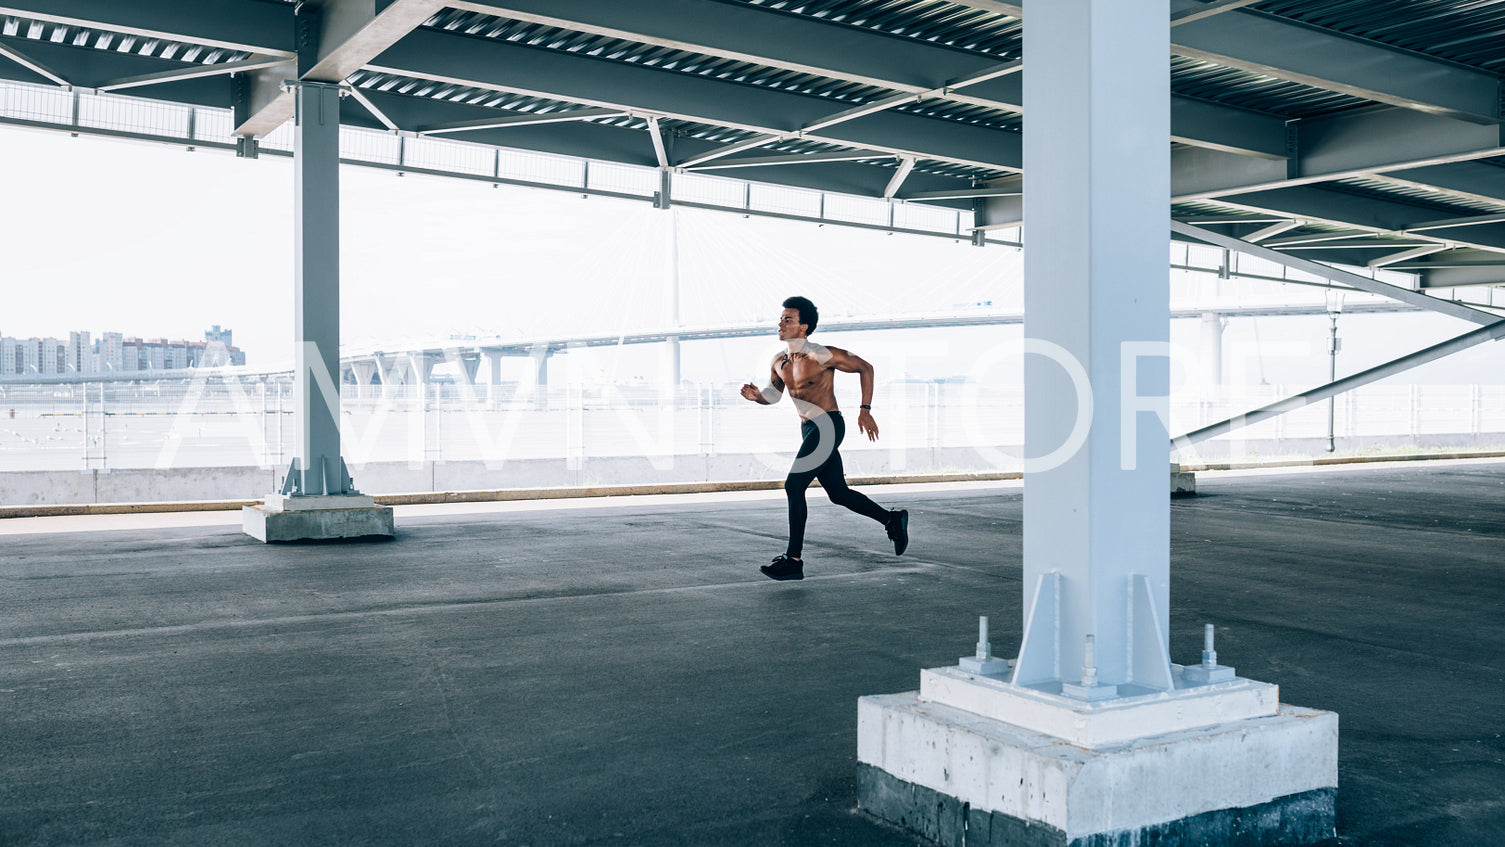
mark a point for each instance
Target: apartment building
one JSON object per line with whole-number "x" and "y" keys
{"x": 114, "y": 352}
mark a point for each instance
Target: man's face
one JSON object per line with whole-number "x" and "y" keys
{"x": 790, "y": 326}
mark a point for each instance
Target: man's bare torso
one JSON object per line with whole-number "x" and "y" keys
{"x": 809, "y": 380}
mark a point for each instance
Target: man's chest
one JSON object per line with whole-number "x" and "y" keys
{"x": 801, "y": 370}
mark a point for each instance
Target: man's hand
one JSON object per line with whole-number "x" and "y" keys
{"x": 866, "y": 423}
{"x": 753, "y": 393}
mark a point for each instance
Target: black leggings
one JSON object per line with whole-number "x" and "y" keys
{"x": 816, "y": 460}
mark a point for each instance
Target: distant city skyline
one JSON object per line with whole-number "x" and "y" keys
{"x": 114, "y": 353}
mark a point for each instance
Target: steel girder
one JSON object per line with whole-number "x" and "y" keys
{"x": 1436, "y": 123}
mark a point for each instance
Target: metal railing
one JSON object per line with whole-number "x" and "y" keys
{"x": 950, "y": 426}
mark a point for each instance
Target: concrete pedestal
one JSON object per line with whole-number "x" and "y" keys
{"x": 306, "y": 518}
{"x": 970, "y": 760}
{"x": 1183, "y": 483}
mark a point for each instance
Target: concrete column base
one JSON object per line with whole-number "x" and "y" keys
{"x": 963, "y": 778}
{"x": 1183, "y": 483}
{"x": 312, "y": 518}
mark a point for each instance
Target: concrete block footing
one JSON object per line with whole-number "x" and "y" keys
{"x": 1304, "y": 818}
{"x": 1183, "y": 483}
{"x": 963, "y": 778}
{"x": 316, "y": 518}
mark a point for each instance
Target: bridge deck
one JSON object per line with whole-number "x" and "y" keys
{"x": 619, "y": 672}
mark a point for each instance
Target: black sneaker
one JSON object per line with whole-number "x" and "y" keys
{"x": 783, "y": 567}
{"x": 898, "y": 529}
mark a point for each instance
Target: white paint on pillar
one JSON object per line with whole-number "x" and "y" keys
{"x": 1096, "y": 207}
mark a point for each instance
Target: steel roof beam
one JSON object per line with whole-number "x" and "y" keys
{"x": 1478, "y": 180}
{"x": 1353, "y": 280}
{"x": 1447, "y": 223}
{"x": 660, "y": 150}
{"x": 1369, "y": 243}
{"x": 1448, "y": 275}
{"x": 1271, "y": 231}
{"x": 1460, "y": 258}
{"x": 522, "y": 119}
{"x": 608, "y": 143}
{"x": 960, "y": 194}
{"x": 261, "y": 28}
{"x": 349, "y": 33}
{"x": 1008, "y": 10}
{"x": 1492, "y": 331}
{"x": 748, "y": 34}
{"x": 1228, "y": 129}
{"x": 1290, "y": 51}
{"x": 1200, "y": 123}
{"x": 1334, "y": 148}
{"x": 730, "y": 149}
{"x": 856, "y": 112}
{"x": 811, "y": 46}
{"x": 1405, "y": 255}
{"x": 900, "y": 174}
{"x": 352, "y": 32}
{"x": 791, "y": 159}
{"x": 1369, "y": 216}
{"x": 32, "y": 65}
{"x": 196, "y": 71}
{"x": 599, "y": 142}
{"x": 1207, "y": 9}
{"x": 1347, "y": 235}
{"x": 89, "y": 68}
{"x": 580, "y": 79}
{"x": 360, "y": 97}
{"x": 1489, "y": 238}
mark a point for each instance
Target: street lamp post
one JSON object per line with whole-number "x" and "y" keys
{"x": 1334, "y": 308}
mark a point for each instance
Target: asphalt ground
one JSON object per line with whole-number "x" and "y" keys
{"x": 618, "y": 672}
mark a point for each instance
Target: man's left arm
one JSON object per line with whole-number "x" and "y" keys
{"x": 847, "y": 362}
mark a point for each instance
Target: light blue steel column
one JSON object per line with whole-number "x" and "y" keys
{"x": 318, "y": 467}
{"x": 1096, "y": 228}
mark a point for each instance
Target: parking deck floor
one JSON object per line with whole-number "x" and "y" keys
{"x": 618, "y": 672}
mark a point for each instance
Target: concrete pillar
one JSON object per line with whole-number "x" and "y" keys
{"x": 421, "y": 365}
{"x": 390, "y": 370}
{"x": 364, "y": 372}
{"x": 1091, "y": 735}
{"x": 317, "y": 498}
{"x": 470, "y": 363}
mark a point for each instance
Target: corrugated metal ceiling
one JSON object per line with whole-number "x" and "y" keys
{"x": 1465, "y": 32}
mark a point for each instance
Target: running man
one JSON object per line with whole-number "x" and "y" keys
{"x": 809, "y": 371}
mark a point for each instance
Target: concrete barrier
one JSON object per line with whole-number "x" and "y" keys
{"x": 37, "y": 493}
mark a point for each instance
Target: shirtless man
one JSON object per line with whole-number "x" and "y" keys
{"x": 809, "y": 371}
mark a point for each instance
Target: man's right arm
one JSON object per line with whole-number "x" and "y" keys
{"x": 768, "y": 394}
